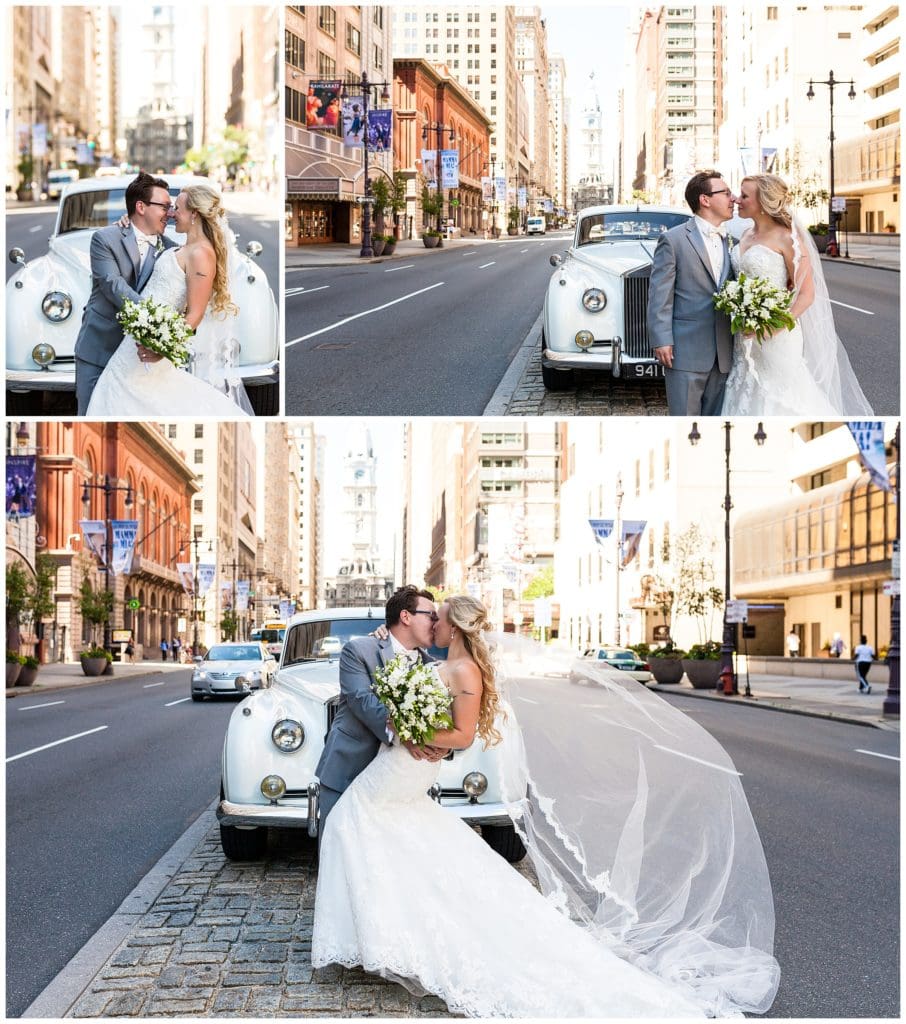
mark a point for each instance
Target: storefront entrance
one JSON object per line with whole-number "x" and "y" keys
{"x": 315, "y": 223}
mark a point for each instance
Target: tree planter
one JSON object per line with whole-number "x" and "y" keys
{"x": 389, "y": 248}
{"x": 377, "y": 246}
{"x": 431, "y": 241}
{"x": 668, "y": 671}
{"x": 13, "y": 671}
{"x": 820, "y": 242}
{"x": 94, "y": 666}
{"x": 512, "y": 231}
{"x": 703, "y": 674}
{"x": 27, "y": 676}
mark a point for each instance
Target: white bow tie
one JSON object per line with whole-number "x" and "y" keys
{"x": 717, "y": 233}
{"x": 142, "y": 237}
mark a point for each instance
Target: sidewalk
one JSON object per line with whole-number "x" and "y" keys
{"x": 63, "y": 676}
{"x": 344, "y": 255}
{"x": 881, "y": 254}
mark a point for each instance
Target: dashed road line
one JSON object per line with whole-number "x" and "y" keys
{"x": 689, "y": 757}
{"x": 47, "y": 704}
{"x": 299, "y": 291}
{"x": 874, "y": 753}
{"x": 858, "y": 309}
{"x": 405, "y": 266}
{"x": 491, "y": 264}
{"x": 181, "y": 700}
{"x": 148, "y": 686}
{"x": 56, "y": 743}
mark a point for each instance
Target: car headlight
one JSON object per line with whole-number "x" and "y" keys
{"x": 584, "y": 339}
{"x": 594, "y": 300}
{"x": 475, "y": 784}
{"x": 199, "y": 677}
{"x": 43, "y": 354}
{"x": 288, "y": 735}
{"x": 272, "y": 787}
{"x": 57, "y": 306}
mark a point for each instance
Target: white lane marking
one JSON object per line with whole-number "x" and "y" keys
{"x": 148, "y": 686}
{"x": 56, "y": 743}
{"x": 874, "y": 753}
{"x": 299, "y": 291}
{"x": 858, "y": 309}
{"x": 49, "y": 704}
{"x": 296, "y": 270}
{"x": 491, "y": 264}
{"x": 523, "y": 250}
{"x": 689, "y": 757}
{"x": 182, "y": 700}
{"x": 472, "y": 253}
{"x": 525, "y": 700}
{"x": 37, "y": 227}
{"x": 406, "y": 266}
{"x": 364, "y": 312}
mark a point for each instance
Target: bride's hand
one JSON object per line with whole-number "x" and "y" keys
{"x": 145, "y": 355}
{"x": 380, "y": 632}
{"x": 124, "y": 221}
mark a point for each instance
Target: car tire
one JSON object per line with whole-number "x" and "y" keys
{"x": 197, "y": 696}
{"x": 243, "y": 843}
{"x": 555, "y": 380}
{"x": 503, "y": 839}
{"x": 265, "y": 399}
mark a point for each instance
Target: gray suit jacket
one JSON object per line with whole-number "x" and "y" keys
{"x": 116, "y": 276}
{"x": 681, "y": 309}
{"x": 360, "y": 724}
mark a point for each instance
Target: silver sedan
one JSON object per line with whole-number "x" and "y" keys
{"x": 233, "y": 668}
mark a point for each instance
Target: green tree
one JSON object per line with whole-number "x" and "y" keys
{"x": 540, "y": 585}
{"x": 41, "y": 603}
{"x": 228, "y": 625}
{"x": 380, "y": 190}
{"x": 17, "y": 586}
{"x": 696, "y": 594}
{"x": 95, "y": 607}
{"x": 234, "y": 149}
{"x": 397, "y": 201}
{"x": 432, "y": 203}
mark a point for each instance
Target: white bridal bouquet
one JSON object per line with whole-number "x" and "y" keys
{"x": 418, "y": 702}
{"x": 755, "y": 306}
{"x": 158, "y": 327}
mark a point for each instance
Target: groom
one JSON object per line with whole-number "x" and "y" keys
{"x": 690, "y": 339}
{"x": 122, "y": 260}
{"x": 361, "y": 723}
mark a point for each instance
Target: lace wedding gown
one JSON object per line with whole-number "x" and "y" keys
{"x": 128, "y": 387}
{"x": 772, "y": 378}
{"x": 408, "y": 891}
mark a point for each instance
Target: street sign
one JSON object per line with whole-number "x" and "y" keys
{"x": 134, "y": 603}
{"x": 661, "y": 633}
{"x": 737, "y": 611}
{"x": 891, "y": 588}
{"x": 543, "y": 612}
{"x": 838, "y": 204}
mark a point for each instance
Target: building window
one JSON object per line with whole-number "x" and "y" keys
{"x": 199, "y": 430}
{"x": 327, "y": 67}
{"x": 638, "y": 477}
{"x": 378, "y": 17}
{"x": 327, "y": 20}
{"x": 353, "y": 39}
{"x": 378, "y": 56}
{"x": 666, "y": 461}
{"x": 294, "y": 50}
{"x": 772, "y": 14}
{"x": 198, "y": 505}
{"x": 199, "y": 456}
{"x": 171, "y": 430}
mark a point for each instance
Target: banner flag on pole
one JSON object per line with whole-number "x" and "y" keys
{"x": 286, "y": 609}
{"x": 124, "y": 531}
{"x": 242, "y": 595}
{"x": 449, "y": 162}
{"x": 186, "y": 576}
{"x": 601, "y": 528}
{"x": 429, "y": 167}
{"x": 94, "y": 533}
{"x": 21, "y": 488}
{"x": 869, "y": 438}
{"x": 632, "y": 538}
{"x": 206, "y": 573}
{"x": 226, "y": 595}
{"x": 380, "y": 131}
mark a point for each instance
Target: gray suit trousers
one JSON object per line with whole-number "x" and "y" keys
{"x": 695, "y": 394}
{"x": 86, "y": 377}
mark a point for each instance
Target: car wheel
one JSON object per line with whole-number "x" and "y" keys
{"x": 265, "y": 399}
{"x": 197, "y": 696}
{"x": 243, "y": 843}
{"x": 504, "y": 840}
{"x": 555, "y": 380}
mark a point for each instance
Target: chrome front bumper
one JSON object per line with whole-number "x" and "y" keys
{"x": 606, "y": 355}
{"x": 63, "y": 379}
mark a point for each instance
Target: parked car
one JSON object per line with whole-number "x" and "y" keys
{"x": 618, "y": 657}
{"x": 232, "y": 668}
{"x": 595, "y": 309}
{"x": 45, "y": 297}
{"x": 535, "y": 226}
{"x": 274, "y": 740}
{"x": 57, "y": 178}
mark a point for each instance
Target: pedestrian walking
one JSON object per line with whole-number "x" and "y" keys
{"x": 864, "y": 655}
{"x": 130, "y": 649}
{"x": 837, "y": 646}
{"x": 792, "y": 643}
{"x": 175, "y": 647}
{"x": 164, "y": 649}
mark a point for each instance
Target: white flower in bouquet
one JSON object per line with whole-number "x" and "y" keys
{"x": 158, "y": 327}
{"x": 417, "y": 701}
{"x": 755, "y": 306}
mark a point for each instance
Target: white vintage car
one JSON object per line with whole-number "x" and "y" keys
{"x": 275, "y": 737}
{"x": 46, "y": 296}
{"x": 595, "y": 310}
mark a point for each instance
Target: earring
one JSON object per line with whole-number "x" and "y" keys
{"x": 193, "y": 218}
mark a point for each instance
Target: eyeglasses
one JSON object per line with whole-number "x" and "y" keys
{"x": 167, "y": 206}
{"x": 421, "y": 611}
{"x": 719, "y": 192}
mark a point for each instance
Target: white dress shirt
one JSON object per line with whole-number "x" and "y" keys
{"x": 144, "y": 241}
{"x": 713, "y": 238}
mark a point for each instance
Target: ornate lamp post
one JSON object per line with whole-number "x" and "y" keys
{"x": 618, "y": 529}
{"x": 195, "y": 541}
{"x": 109, "y": 489}
{"x": 439, "y": 128}
{"x": 832, "y": 247}
{"x": 891, "y": 705}
{"x": 728, "y": 644}
{"x": 366, "y": 252}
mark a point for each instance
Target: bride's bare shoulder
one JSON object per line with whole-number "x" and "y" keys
{"x": 463, "y": 676}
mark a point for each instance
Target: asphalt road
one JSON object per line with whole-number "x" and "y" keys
{"x": 431, "y": 336}
{"x": 827, "y": 814}
{"x": 87, "y": 819}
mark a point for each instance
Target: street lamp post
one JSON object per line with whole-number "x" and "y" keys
{"x": 109, "y": 489}
{"x": 832, "y": 248}
{"x": 494, "y": 195}
{"x": 196, "y": 540}
{"x": 439, "y": 129}
{"x": 618, "y": 529}
{"x": 728, "y": 643}
{"x": 367, "y": 251}
{"x": 892, "y": 699}
{"x": 233, "y": 566}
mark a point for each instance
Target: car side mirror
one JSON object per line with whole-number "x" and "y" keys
{"x": 556, "y": 259}
{"x": 254, "y": 249}
{"x": 198, "y": 659}
{"x": 17, "y": 255}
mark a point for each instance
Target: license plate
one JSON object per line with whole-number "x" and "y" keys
{"x": 650, "y": 370}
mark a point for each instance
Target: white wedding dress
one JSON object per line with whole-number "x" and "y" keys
{"x": 128, "y": 387}
{"x": 771, "y": 378}
{"x": 408, "y": 891}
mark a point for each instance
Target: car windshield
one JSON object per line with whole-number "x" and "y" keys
{"x": 314, "y": 641}
{"x": 626, "y": 225}
{"x": 95, "y": 208}
{"x": 272, "y": 636}
{"x": 238, "y": 653}
{"x": 616, "y": 655}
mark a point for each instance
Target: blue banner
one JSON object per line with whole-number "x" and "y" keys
{"x": 353, "y": 121}
{"x": 21, "y": 487}
{"x": 601, "y": 528}
{"x": 124, "y": 531}
{"x": 380, "y": 131}
{"x": 449, "y": 162}
{"x": 632, "y": 538}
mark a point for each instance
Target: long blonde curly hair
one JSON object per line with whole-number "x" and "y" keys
{"x": 470, "y": 617}
{"x": 205, "y": 202}
{"x": 773, "y": 196}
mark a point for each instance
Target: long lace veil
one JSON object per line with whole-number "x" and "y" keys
{"x": 637, "y": 826}
{"x": 824, "y": 353}
{"x": 217, "y": 343}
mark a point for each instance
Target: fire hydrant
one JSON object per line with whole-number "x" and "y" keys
{"x": 726, "y": 677}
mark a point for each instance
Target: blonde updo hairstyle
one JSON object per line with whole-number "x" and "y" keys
{"x": 203, "y": 201}
{"x": 470, "y": 617}
{"x": 773, "y": 197}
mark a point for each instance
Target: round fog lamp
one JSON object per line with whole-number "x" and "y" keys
{"x": 585, "y": 339}
{"x": 594, "y": 300}
{"x": 475, "y": 784}
{"x": 57, "y": 306}
{"x": 273, "y": 787}
{"x": 288, "y": 735}
{"x": 43, "y": 354}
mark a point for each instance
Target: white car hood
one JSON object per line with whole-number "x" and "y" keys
{"x": 616, "y": 258}
{"x": 314, "y": 680}
{"x": 231, "y": 666}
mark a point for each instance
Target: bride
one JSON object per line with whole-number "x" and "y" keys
{"x": 194, "y": 279}
{"x": 655, "y": 904}
{"x": 805, "y": 371}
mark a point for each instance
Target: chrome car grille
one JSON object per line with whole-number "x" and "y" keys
{"x": 635, "y": 313}
{"x": 332, "y": 707}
